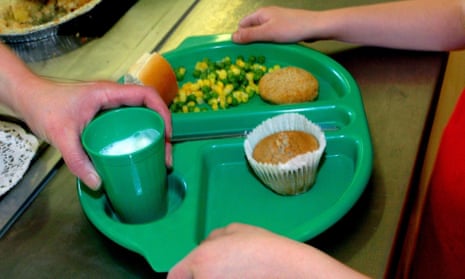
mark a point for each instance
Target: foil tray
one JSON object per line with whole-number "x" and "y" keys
{"x": 57, "y": 38}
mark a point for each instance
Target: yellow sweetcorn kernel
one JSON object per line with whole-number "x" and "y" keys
{"x": 200, "y": 100}
{"x": 182, "y": 97}
{"x": 220, "y": 83}
{"x": 235, "y": 70}
{"x": 206, "y": 82}
{"x": 222, "y": 102}
{"x": 201, "y": 82}
{"x": 212, "y": 76}
{"x": 260, "y": 67}
{"x": 194, "y": 86}
{"x": 201, "y": 66}
{"x": 251, "y": 90}
{"x": 198, "y": 94}
{"x": 236, "y": 95}
{"x": 218, "y": 87}
{"x": 240, "y": 63}
{"x": 212, "y": 102}
{"x": 241, "y": 96}
{"x": 244, "y": 97}
{"x": 228, "y": 89}
{"x": 222, "y": 74}
{"x": 275, "y": 67}
{"x": 250, "y": 77}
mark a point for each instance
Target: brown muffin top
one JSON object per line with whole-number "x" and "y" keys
{"x": 282, "y": 146}
{"x": 288, "y": 85}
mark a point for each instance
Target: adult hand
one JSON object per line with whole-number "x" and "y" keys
{"x": 58, "y": 113}
{"x": 276, "y": 24}
{"x": 243, "y": 251}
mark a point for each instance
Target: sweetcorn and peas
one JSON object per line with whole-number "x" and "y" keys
{"x": 219, "y": 84}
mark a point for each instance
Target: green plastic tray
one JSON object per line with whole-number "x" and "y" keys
{"x": 211, "y": 184}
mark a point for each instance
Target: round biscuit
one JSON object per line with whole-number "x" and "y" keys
{"x": 288, "y": 85}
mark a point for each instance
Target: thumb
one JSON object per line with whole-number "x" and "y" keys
{"x": 77, "y": 161}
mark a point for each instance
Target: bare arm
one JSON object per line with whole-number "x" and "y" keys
{"x": 410, "y": 24}
{"x": 13, "y": 73}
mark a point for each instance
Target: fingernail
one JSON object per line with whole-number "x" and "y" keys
{"x": 93, "y": 181}
{"x": 169, "y": 162}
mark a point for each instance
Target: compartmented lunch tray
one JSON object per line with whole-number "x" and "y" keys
{"x": 211, "y": 184}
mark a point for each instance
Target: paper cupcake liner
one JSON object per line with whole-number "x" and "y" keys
{"x": 296, "y": 175}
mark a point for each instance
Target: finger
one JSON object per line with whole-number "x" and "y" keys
{"x": 150, "y": 98}
{"x": 252, "y": 19}
{"x": 138, "y": 96}
{"x": 244, "y": 36}
{"x": 168, "y": 155}
{"x": 115, "y": 95}
{"x": 158, "y": 105}
{"x": 87, "y": 174}
{"x": 254, "y": 34}
{"x": 78, "y": 162}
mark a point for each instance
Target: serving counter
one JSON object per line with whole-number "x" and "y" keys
{"x": 53, "y": 238}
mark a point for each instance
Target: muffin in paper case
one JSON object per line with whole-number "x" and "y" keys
{"x": 296, "y": 175}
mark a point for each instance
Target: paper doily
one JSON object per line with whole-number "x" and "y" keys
{"x": 17, "y": 148}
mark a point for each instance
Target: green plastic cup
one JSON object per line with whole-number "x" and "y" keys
{"x": 127, "y": 147}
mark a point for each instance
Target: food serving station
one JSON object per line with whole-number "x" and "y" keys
{"x": 62, "y": 233}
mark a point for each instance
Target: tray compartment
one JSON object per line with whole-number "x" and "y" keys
{"x": 232, "y": 192}
{"x": 337, "y": 87}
